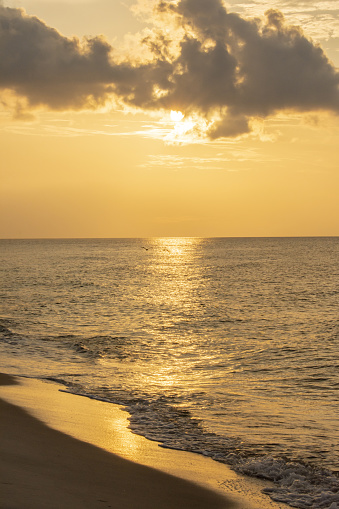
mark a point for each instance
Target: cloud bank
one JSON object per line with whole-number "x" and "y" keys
{"x": 222, "y": 67}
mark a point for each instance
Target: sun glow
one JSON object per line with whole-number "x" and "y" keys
{"x": 176, "y": 116}
{"x": 181, "y": 128}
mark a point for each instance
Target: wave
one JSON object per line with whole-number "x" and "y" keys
{"x": 295, "y": 482}
{"x": 166, "y": 418}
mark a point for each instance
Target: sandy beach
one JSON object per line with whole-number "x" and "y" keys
{"x": 41, "y": 467}
{"x": 61, "y": 451}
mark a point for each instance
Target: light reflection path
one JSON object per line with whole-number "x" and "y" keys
{"x": 176, "y": 285}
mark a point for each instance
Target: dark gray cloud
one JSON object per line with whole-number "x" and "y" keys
{"x": 47, "y": 68}
{"x": 228, "y": 67}
{"x": 279, "y": 68}
{"x": 247, "y": 68}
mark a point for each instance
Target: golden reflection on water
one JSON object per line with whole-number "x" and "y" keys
{"x": 175, "y": 271}
{"x": 180, "y": 246}
{"x": 176, "y": 280}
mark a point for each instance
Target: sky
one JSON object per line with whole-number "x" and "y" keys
{"x": 169, "y": 118}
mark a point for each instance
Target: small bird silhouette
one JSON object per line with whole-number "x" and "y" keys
{"x": 145, "y": 248}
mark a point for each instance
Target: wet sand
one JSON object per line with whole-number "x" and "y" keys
{"x": 41, "y": 467}
{"x": 60, "y": 450}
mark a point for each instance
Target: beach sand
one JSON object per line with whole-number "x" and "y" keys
{"x": 43, "y": 467}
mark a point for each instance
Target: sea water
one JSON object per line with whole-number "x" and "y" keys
{"x": 227, "y": 347}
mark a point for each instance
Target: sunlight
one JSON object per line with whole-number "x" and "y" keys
{"x": 176, "y": 116}
{"x": 182, "y": 128}
{"x": 182, "y": 246}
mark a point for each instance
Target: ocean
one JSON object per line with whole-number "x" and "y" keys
{"x": 227, "y": 347}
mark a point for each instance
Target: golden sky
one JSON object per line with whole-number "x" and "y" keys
{"x": 127, "y": 118}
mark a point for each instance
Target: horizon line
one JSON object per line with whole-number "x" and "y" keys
{"x": 178, "y": 237}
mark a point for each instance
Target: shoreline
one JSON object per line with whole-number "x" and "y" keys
{"x": 59, "y": 450}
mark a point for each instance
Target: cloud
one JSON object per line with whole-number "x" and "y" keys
{"x": 247, "y": 68}
{"x": 280, "y": 69}
{"x": 176, "y": 162}
{"x": 225, "y": 68}
{"x": 48, "y": 69}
